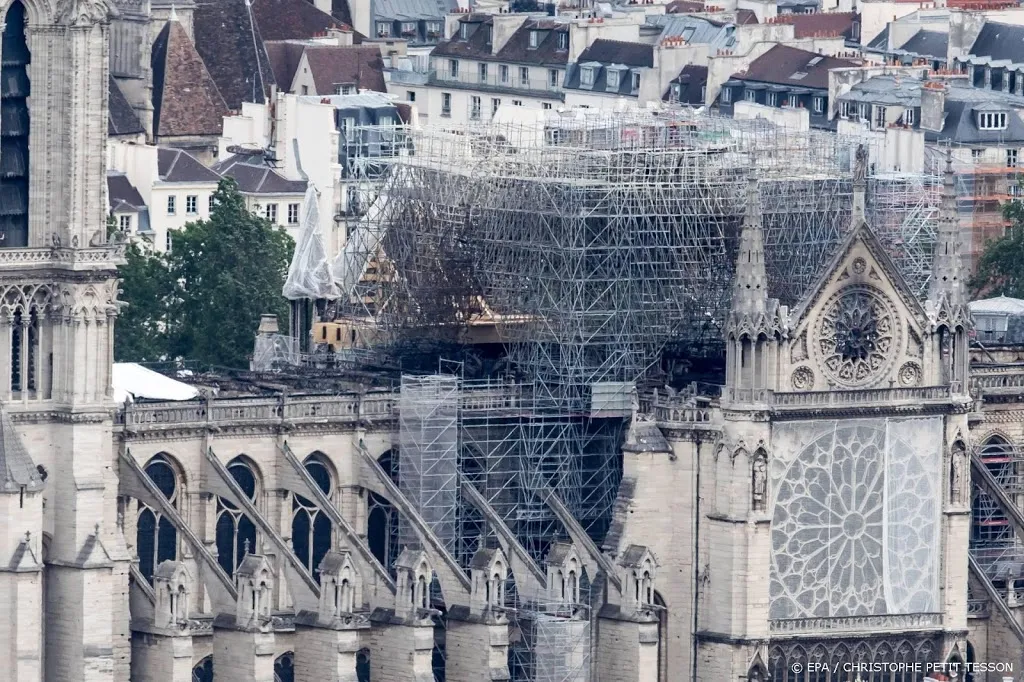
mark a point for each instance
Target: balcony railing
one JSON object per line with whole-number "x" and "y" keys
{"x": 269, "y": 410}
{"x": 852, "y": 398}
{"x": 473, "y": 79}
{"x": 856, "y": 624}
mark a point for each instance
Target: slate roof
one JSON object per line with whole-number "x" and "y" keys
{"x": 516, "y": 51}
{"x": 341, "y": 11}
{"x": 644, "y": 436}
{"x": 881, "y": 41}
{"x": 176, "y": 165}
{"x": 333, "y": 562}
{"x": 618, "y": 52}
{"x": 784, "y": 65}
{"x": 284, "y": 56}
{"x": 928, "y": 43}
{"x": 16, "y": 466}
{"x": 122, "y": 194}
{"x": 821, "y": 23}
{"x": 121, "y": 118}
{"x": 960, "y": 124}
{"x": 482, "y": 558}
{"x": 354, "y": 65}
{"x": 692, "y": 81}
{"x": 634, "y": 556}
{"x": 886, "y": 89}
{"x": 558, "y": 552}
{"x": 186, "y": 101}
{"x": 999, "y": 41}
{"x": 292, "y": 19}
{"x": 255, "y": 177}
{"x": 412, "y": 10}
{"x": 232, "y": 48}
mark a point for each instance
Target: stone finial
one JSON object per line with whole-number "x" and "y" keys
{"x": 947, "y": 285}
{"x": 860, "y": 185}
{"x": 750, "y": 283}
{"x": 414, "y": 576}
{"x": 488, "y": 571}
{"x": 341, "y": 586}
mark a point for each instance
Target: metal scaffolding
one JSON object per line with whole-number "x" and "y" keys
{"x": 428, "y": 446}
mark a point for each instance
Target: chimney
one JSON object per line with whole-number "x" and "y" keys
{"x": 933, "y": 106}
{"x": 268, "y": 325}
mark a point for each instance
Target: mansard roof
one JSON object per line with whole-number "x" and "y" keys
{"x": 17, "y": 470}
{"x": 360, "y": 66}
{"x": 186, "y": 101}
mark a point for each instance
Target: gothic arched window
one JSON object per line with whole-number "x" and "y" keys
{"x": 14, "y": 148}
{"x": 156, "y": 536}
{"x": 236, "y": 533}
{"x": 284, "y": 668}
{"x": 203, "y": 672}
{"x": 311, "y": 529}
{"x": 363, "y": 665}
{"x": 382, "y": 519}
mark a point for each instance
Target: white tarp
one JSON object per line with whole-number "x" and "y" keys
{"x": 855, "y": 517}
{"x": 132, "y": 381}
{"x": 309, "y": 275}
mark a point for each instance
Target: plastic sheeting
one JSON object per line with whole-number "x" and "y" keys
{"x": 309, "y": 275}
{"x": 856, "y": 518}
{"x": 133, "y": 381}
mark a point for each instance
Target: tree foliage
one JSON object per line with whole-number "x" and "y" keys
{"x": 203, "y": 299}
{"x": 1000, "y": 269}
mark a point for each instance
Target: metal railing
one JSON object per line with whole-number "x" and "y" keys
{"x": 493, "y": 80}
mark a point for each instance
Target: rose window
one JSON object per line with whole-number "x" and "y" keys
{"x": 854, "y": 524}
{"x": 856, "y": 334}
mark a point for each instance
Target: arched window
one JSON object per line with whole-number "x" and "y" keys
{"x": 573, "y": 587}
{"x": 284, "y": 668}
{"x": 203, "y": 672}
{"x": 156, "y": 537}
{"x": 382, "y": 520}
{"x": 236, "y": 533}
{"x": 15, "y": 56}
{"x": 311, "y": 529}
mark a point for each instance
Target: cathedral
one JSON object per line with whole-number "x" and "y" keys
{"x": 838, "y": 511}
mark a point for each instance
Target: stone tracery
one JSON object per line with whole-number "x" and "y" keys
{"x": 857, "y": 333}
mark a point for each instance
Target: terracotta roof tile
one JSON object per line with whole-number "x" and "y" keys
{"x": 291, "y": 19}
{"x": 821, "y": 24}
{"x": 284, "y": 58}
{"x": 232, "y": 47}
{"x": 186, "y": 101}
{"x": 517, "y": 50}
{"x": 784, "y": 65}
{"x": 359, "y": 66}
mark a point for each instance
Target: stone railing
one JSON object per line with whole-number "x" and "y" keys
{"x": 270, "y": 410}
{"x": 669, "y": 412}
{"x": 861, "y": 397}
{"x": 108, "y": 254}
{"x": 997, "y": 381}
{"x": 978, "y": 608}
{"x": 855, "y": 624}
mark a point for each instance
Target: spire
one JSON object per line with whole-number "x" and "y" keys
{"x": 750, "y": 283}
{"x": 947, "y": 286}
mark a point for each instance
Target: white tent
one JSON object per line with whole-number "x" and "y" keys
{"x": 133, "y": 381}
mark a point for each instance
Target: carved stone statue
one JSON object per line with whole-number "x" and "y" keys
{"x": 956, "y": 476}
{"x": 760, "y": 483}
{"x": 860, "y": 168}
{"x": 634, "y": 403}
{"x": 85, "y": 12}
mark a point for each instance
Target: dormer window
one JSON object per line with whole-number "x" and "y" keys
{"x": 433, "y": 29}
{"x": 675, "y": 92}
{"x": 464, "y": 31}
{"x": 992, "y": 120}
{"x": 408, "y": 28}
{"x": 534, "y": 39}
{"x": 563, "y": 41}
{"x": 383, "y": 29}
{"x": 613, "y": 79}
{"x": 909, "y": 117}
{"x": 587, "y": 75}
{"x": 636, "y": 81}
{"x": 487, "y": 33}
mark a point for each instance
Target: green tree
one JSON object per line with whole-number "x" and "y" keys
{"x": 1000, "y": 269}
{"x": 208, "y": 292}
{"x": 140, "y": 334}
